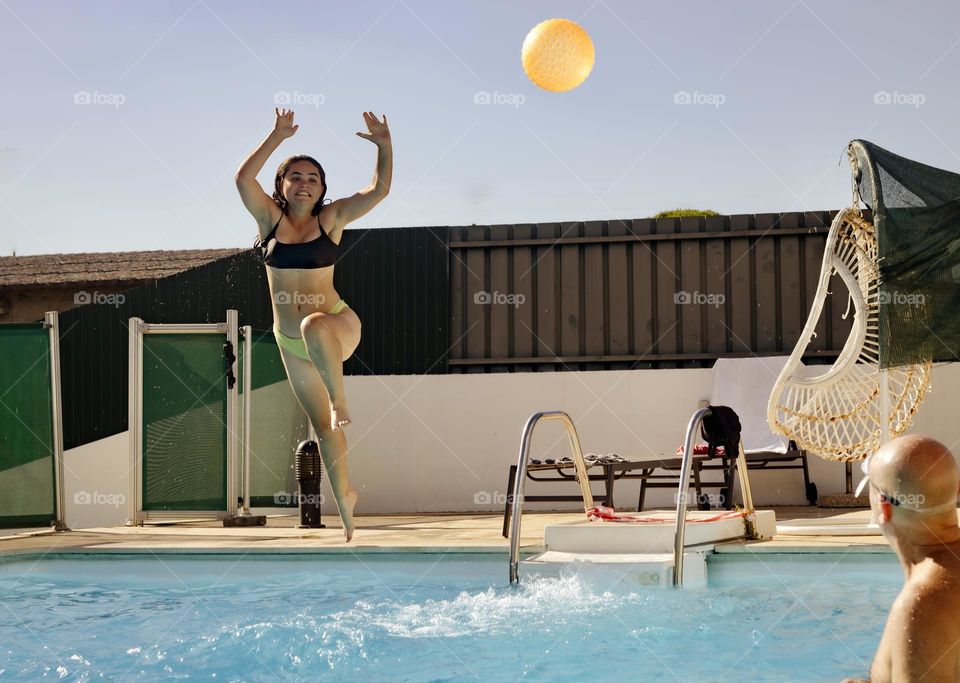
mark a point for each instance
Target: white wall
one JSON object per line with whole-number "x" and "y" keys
{"x": 439, "y": 443}
{"x": 96, "y": 479}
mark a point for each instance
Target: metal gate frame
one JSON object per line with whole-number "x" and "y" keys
{"x": 51, "y": 320}
{"x": 138, "y": 328}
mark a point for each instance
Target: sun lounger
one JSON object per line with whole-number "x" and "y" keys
{"x": 744, "y": 384}
{"x": 611, "y": 468}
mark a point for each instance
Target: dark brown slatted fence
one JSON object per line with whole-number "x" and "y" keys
{"x": 639, "y": 293}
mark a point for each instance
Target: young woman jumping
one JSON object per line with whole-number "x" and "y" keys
{"x": 299, "y": 239}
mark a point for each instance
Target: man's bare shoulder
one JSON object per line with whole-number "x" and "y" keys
{"x": 924, "y": 623}
{"x": 933, "y": 589}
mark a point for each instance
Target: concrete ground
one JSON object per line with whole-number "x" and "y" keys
{"x": 405, "y": 533}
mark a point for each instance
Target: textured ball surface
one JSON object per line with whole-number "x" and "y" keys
{"x": 557, "y": 55}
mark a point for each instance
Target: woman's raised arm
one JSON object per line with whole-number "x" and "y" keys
{"x": 258, "y": 202}
{"x": 355, "y": 206}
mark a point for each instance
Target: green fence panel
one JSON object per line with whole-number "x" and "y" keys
{"x": 184, "y": 422}
{"x": 27, "y": 484}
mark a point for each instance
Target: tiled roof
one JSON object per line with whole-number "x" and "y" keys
{"x": 51, "y": 270}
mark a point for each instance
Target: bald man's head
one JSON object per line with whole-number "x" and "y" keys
{"x": 915, "y": 473}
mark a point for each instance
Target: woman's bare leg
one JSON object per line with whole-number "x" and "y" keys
{"x": 330, "y": 340}
{"x": 310, "y": 391}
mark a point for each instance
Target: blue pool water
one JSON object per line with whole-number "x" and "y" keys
{"x": 434, "y": 618}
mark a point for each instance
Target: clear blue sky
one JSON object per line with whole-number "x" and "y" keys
{"x": 198, "y": 78}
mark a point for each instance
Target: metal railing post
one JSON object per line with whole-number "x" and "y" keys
{"x": 521, "y": 475}
{"x": 678, "y": 540}
{"x": 134, "y": 411}
{"x": 233, "y": 434}
{"x": 247, "y": 331}
{"x": 52, "y": 322}
{"x": 744, "y": 481}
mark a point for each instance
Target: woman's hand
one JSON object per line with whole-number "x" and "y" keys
{"x": 284, "y": 125}
{"x": 379, "y": 133}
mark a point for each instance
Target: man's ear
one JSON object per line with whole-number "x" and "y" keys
{"x": 886, "y": 511}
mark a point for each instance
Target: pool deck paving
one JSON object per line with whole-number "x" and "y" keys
{"x": 436, "y": 533}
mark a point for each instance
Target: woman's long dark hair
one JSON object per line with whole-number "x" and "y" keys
{"x": 278, "y": 198}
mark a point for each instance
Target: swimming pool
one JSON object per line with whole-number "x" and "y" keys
{"x": 434, "y": 617}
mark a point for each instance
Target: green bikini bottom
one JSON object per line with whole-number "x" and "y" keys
{"x": 295, "y": 345}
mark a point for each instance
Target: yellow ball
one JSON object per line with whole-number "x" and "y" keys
{"x": 557, "y": 55}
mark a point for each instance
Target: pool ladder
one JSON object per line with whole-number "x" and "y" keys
{"x": 581, "y": 468}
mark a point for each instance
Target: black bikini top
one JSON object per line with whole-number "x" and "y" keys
{"x": 317, "y": 253}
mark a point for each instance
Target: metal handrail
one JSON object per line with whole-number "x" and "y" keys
{"x": 521, "y": 476}
{"x": 744, "y": 481}
{"x": 684, "y": 486}
{"x": 682, "y": 493}
{"x": 582, "y": 478}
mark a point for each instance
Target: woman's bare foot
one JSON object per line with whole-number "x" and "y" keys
{"x": 346, "y": 515}
{"x": 339, "y": 417}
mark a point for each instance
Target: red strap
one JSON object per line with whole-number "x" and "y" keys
{"x": 606, "y": 514}
{"x": 702, "y": 449}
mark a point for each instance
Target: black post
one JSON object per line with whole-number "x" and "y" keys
{"x": 309, "y": 474}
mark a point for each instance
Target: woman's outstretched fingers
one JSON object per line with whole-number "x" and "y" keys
{"x": 379, "y": 132}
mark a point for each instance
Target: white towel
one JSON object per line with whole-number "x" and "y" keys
{"x": 744, "y": 384}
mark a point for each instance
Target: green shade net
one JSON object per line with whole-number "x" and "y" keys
{"x": 26, "y": 426}
{"x": 278, "y": 425}
{"x": 184, "y": 422}
{"x": 916, "y": 211}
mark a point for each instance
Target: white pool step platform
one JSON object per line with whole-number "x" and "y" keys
{"x": 851, "y": 526}
{"x": 651, "y": 537}
{"x": 641, "y": 553}
{"x": 631, "y": 569}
